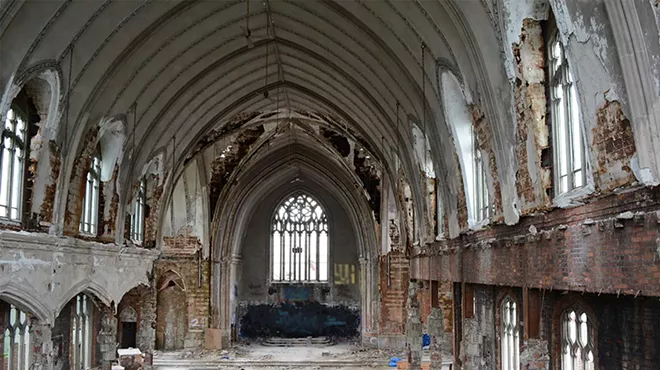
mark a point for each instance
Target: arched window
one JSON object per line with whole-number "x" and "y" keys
{"x": 299, "y": 241}
{"x": 483, "y": 206}
{"x": 16, "y": 339}
{"x": 577, "y": 340}
{"x": 12, "y": 162}
{"x": 81, "y": 332}
{"x": 90, "y": 213}
{"x": 137, "y": 219}
{"x": 567, "y": 147}
{"x": 510, "y": 335}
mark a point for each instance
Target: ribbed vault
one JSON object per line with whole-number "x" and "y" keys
{"x": 178, "y": 70}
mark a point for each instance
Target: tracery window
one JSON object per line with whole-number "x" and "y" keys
{"x": 17, "y": 339}
{"x": 568, "y": 149}
{"x": 510, "y": 335}
{"x": 482, "y": 203}
{"x": 577, "y": 341}
{"x": 300, "y": 241}
{"x": 137, "y": 219}
{"x": 12, "y": 162}
{"x": 81, "y": 333}
{"x": 90, "y": 213}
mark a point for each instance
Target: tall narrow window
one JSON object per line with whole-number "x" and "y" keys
{"x": 81, "y": 333}
{"x": 568, "y": 149}
{"x": 17, "y": 340}
{"x": 300, "y": 241}
{"x": 510, "y": 339}
{"x": 12, "y": 162}
{"x": 577, "y": 341}
{"x": 90, "y": 213}
{"x": 137, "y": 219}
{"x": 482, "y": 203}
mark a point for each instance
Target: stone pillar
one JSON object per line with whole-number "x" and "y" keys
{"x": 146, "y": 336}
{"x": 436, "y": 331}
{"x": 107, "y": 339}
{"x": 414, "y": 329}
{"x": 41, "y": 345}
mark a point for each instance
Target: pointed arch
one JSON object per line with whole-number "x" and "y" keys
{"x": 26, "y": 299}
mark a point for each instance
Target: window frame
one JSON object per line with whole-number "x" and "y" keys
{"x": 82, "y": 314}
{"x": 324, "y": 218}
{"x": 138, "y": 217}
{"x": 482, "y": 203}
{"x": 15, "y": 183}
{"x": 18, "y": 330}
{"x": 515, "y": 335}
{"x": 89, "y": 218}
{"x": 564, "y": 338}
{"x": 564, "y": 119}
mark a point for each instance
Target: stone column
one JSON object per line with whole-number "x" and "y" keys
{"x": 41, "y": 345}
{"x": 107, "y": 339}
{"x": 414, "y": 329}
{"x": 436, "y": 331}
{"x": 146, "y": 336}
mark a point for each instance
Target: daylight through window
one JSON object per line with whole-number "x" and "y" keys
{"x": 482, "y": 204}
{"x": 577, "y": 341}
{"x": 510, "y": 340}
{"x": 300, "y": 241}
{"x": 90, "y": 213}
{"x": 12, "y": 160}
{"x": 81, "y": 333}
{"x": 17, "y": 340}
{"x": 569, "y": 161}
{"x": 137, "y": 219}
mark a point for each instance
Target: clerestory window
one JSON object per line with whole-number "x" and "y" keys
{"x": 299, "y": 241}
{"x": 510, "y": 335}
{"x": 137, "y": 219}
{"x": 567, "y": 142}
{"x": 16, "y": 340}
{"x": 577, "y": 341}
{"x": 482, "y": 203}
{"x": 12, "y": 162}
{"x": 90, "y": 212}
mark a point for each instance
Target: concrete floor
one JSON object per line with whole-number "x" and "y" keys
{"x": 256, "y": 356}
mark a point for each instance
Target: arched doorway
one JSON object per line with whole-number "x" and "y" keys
{"x": 171, "y": 312}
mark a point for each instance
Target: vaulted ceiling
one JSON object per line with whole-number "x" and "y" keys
{"x": 177, "y": 70}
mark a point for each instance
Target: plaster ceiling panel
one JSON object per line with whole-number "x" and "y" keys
{"x": 26, "y": 25}
{"x": 192, "y": 88}
{"x": 326, "y": 74}
{"x": 99, "y": 73}
{"x": 201, "y": 90}
{"x": 63, "y": 28}
{"x": 203, "y": 43}
{"x": 390, "y": 45}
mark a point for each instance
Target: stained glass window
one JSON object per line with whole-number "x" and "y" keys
{"x": 300, "y": 241}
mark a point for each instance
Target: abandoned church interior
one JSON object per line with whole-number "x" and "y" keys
{"x": 471, "y": 183}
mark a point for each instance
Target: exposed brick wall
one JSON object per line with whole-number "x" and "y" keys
{"x": 393, "y": 296}
{"x": 153, "y": 203}
{"x": 178, "y": 258}
{"x": 76, "y": 195}
{"x": 477, "y": 344}
{"x": 462, "y": 207}
{"x": 593, "y": 248}
{"x": 482, "y": 129}
{"x": 51, "y": 188}
{"x": 530, "y": 105}
{"x": 614, "y": 145}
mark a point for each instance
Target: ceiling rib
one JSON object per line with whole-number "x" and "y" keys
{"x": 280, "y": 66}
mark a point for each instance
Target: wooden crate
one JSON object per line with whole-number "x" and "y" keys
{"x": 403, "y": 365}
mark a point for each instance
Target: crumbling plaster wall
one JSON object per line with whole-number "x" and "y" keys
{"x": 47, "y": 271}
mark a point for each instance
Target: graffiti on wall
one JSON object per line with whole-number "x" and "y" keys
{"x": 345, "y": 274}
{"x": 197, "y": 323}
